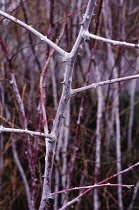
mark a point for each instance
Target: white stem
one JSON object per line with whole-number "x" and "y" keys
{"x": 131, "y": 114}
{"x": 54, "y": 85}
{"x": 64, "y": 150}
{"x": 98, "y": 140}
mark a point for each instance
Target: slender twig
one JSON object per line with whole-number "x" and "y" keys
{"x": 42, "y": 76}
{"x": 22, "y": 173}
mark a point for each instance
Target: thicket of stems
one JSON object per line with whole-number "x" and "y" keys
{"x": 40, "y": 99}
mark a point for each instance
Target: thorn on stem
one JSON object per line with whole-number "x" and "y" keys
{"x": 52, "y": 119}
{"x": 63, "y": 82}
{"x": 64, "y": 59}
{"x": 96, "y": 4}
{"x": 81, "y": 46}
{"x": 81, "y": 23}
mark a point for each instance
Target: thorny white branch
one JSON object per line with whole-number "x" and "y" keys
{"x": 113, "y": 42}
{"x": 66, "y": 93}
